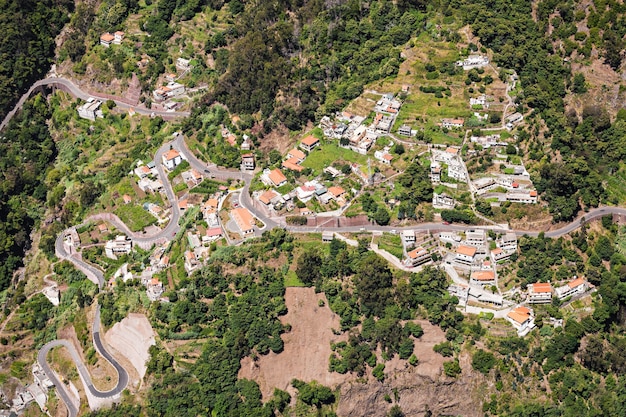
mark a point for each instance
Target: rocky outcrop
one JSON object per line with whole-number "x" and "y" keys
{"x": 415, "y": 393}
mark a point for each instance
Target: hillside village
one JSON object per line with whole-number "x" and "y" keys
{"x": 309, "y": 185}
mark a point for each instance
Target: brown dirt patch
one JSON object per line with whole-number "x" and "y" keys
{"x": 278, "y": 139}
{"x": 132, "y": 337}
{"x": 430, "y": 364}
{"x": 307, "y": 346}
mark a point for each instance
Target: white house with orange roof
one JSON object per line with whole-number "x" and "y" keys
{"x": 540, "y": 292}
{"x": 274, "y": 177}
{"x": 483, "y": 277}
{"x": 336, "y": 192}
{"x": 296, "y": 154}
{"x": 292, "y": 164}
{"x": 171, "y": 159}
{"x": 267, "y": 197}
{"x": 154, "y": 289}
{"x": 309, "y": 143}
{"x": 465, "y": 254}
{"x": 142, "y": 171}
{"x": 383, "y": 156}
{"x": 417, "y": 257}
{"x": 118, "y": 37}
{"x": 575, "y": 287}
{"x": 191, "y": 262}
{"x": 452, "y": 123}
{"x": 106, "y": 39}
{"x": 244, "y": 220}
{"x": 212, "y": 234}
{"x": 446, "y": 156}
{"x": 522, "y": 319}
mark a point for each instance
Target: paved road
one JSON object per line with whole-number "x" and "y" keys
{"x": 73, "y": 89}
{"x": 122, "y": 380}
{"x": 172, "y": 228}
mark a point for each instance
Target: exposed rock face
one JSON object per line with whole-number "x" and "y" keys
{"x": 417, "y": 394}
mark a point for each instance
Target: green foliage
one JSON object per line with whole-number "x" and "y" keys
{"x": 373, "y": 284}
{"x": 118, "y": 410}
{"x": 308, "y": 267}
{"x": 30, "y": 28}
{"x": 27, "y": 149}
{"x": 483, "y": 361}
{"x": 34, "y": 313}
{"x": 183, "y": 166}
{"x": 417, "y": 188}
{"x": 454, "y": 215}
{"x": 379, "y": 372}
{"x": 313, "y": 393}
{"x": 452, "y": 368}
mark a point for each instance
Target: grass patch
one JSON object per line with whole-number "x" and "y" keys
{"x": 292, "y": 280}
{"x": 325, "y": 155}
{"x": 616, "y": 187}
{"x": 392, "y": 244}
{"x": 135, "y": 217}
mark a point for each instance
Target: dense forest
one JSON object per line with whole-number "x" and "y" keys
{"x": 27, "y": 47}
{"x": 27, "y": 150}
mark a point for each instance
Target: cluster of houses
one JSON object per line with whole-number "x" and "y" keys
{"x": 313, "y": 189}
{"x": 309, "y": 190}
{"x": 523, "y": 319}
{"x": 516, "y": 188}
{"x": 172, "y": 88}
{"x": 354, "y": 135}
{"x": 451, "y": 161}
{"x": 514, "y": 185}
{"x": 472, "y": 251}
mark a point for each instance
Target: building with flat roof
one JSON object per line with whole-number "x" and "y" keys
{"x": 121, "y": 245}
{"x": 90, "y": 110}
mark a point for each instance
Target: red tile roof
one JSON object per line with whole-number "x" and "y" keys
{"x": 310, "y": 140}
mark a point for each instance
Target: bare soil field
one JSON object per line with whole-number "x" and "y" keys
{"x": 132, "y": 337}
{"x": 307, "y": 346}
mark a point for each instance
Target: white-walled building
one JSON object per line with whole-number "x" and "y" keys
{"x": 540, "y": 292}
{"x": 465, "y": 254}
{"x": 577, "y": 286}
{"x": 417, "y": 257}
{"x": 522, "y": 320}
{"x": 121, "y": 245}
{"x": 171, "y": 159}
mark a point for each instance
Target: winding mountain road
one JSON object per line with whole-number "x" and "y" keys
{"x": 71, "y": 88}
{"x": 145, "y": 240}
